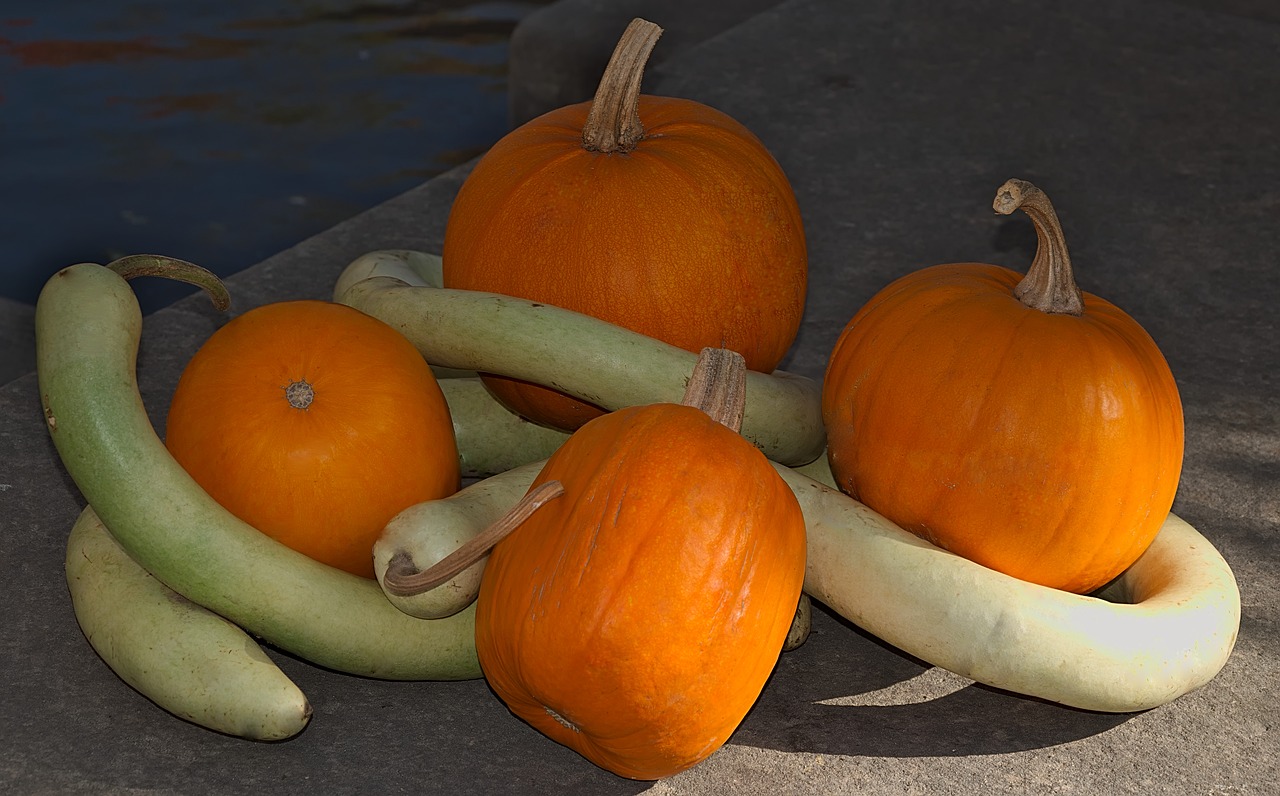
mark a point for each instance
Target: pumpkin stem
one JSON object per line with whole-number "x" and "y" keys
{"x": 402, "y": 578}
{"x": 171, "y": 268}
{"x": 718, "y": 386}
{"x": 613, "y": 124}
{"x": 1049, "y": 285}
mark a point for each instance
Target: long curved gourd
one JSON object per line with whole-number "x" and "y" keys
{"x": 410, "y": 267}
{"x": 87, "y": 330}
{"x": 595, "y": 361}
{"x": 492, "y": 439}
{"x": 186, "y": 659}
{"x": 1170, "y": 631}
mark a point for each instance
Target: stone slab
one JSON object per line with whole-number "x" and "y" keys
{"x": 1154, "y": 128}
{"x": 17, "y": 339}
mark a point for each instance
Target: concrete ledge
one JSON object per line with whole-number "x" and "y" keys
{"x": 17, "y": 339}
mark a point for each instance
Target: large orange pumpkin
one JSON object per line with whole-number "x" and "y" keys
{"x": 316, "y": 424}
{"x": 661, "y": 215}
{"x": 1015, "y": 421}
{"x": 636, "y": 618}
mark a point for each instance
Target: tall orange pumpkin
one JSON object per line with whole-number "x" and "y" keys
{"x": 1013, "y": 420}
{"x": 316, "y": 424}
{"x": 661, "y": 215}
{"x": 636, "y": 618}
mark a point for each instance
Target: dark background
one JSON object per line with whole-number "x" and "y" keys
{"x": 222, "y": 133}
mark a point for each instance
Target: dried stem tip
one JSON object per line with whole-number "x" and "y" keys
{"x": 1049, "y": 285}
{"x": 135, "y": 265}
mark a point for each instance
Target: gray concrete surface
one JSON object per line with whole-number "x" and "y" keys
{"x": 1154, "y": 128}
{"x": 17, "y": 339}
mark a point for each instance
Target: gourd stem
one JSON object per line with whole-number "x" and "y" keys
{"x": 718, "y": 386}
{"x": 613, "y": 123}
{"x": 1049, "y": 285}
{"x": 402, "y": 578}
{"x": 135, "y": 265}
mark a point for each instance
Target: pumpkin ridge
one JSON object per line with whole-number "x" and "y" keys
{"x": 702, "y": 177}
{"x": 675, "y": 123}
{"x": 1108, "y": 332}
{"x": 542, "y": 166}
{"x": 875, "y": 390}
{"x": 1031, "y": 548}
{"x": 516, "y": 192}
{"x": 1091, "y": 556}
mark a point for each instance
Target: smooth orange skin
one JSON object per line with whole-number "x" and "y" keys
{"x": 1047, "y": 447}
{"x": 693, "y": 238}
{"x": 325, "y": 480}
{"x": 648, "y": 605}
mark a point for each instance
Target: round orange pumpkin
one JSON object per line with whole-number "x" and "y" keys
{"x": 636, "y": 618}
{"x": 316, "y": 424}
{"x": 661, "y": 215}
{"x": 1013, "y": 420}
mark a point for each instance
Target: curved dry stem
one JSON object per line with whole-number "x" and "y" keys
{"x": 718, "y": 386}
{"x": 613, "y": 124}
{"x": 1049, "y": 285}
{"x": 135, "y": 265}
{"x": 402, "y": 578}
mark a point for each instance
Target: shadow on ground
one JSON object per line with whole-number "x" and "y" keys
{"x": 847, "y": 693}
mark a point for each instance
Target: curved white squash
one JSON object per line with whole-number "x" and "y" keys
{"x": 1170, "y": 631}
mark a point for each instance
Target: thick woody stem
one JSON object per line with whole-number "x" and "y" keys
{"x": 718, "y": 386}
{"x": 403, "y": 579}
{"x": 1049, "y": 285}
{"x": 613, "y": 124}
{"x": 135, "y": 265}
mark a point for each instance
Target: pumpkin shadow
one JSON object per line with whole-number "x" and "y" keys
{"x": 845, "y": 692}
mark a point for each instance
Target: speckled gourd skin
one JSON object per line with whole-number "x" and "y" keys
{"x": 187, "y": 659}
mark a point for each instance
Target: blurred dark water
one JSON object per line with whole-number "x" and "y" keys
{"x": 223, "y": 132}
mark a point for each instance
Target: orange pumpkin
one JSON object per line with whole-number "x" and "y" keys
{"x": 1013, "y": 420}
{"x": 657, "y": 214}
{"x": 316, "y": 424}
{"x": 636, "y": 618}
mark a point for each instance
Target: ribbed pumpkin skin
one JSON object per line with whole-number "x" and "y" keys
{"x": 694, "y": 237}
{"x": 325, "y": 480}
{"x": 649, "y": 604}
{"x": 1046, "y": 446}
